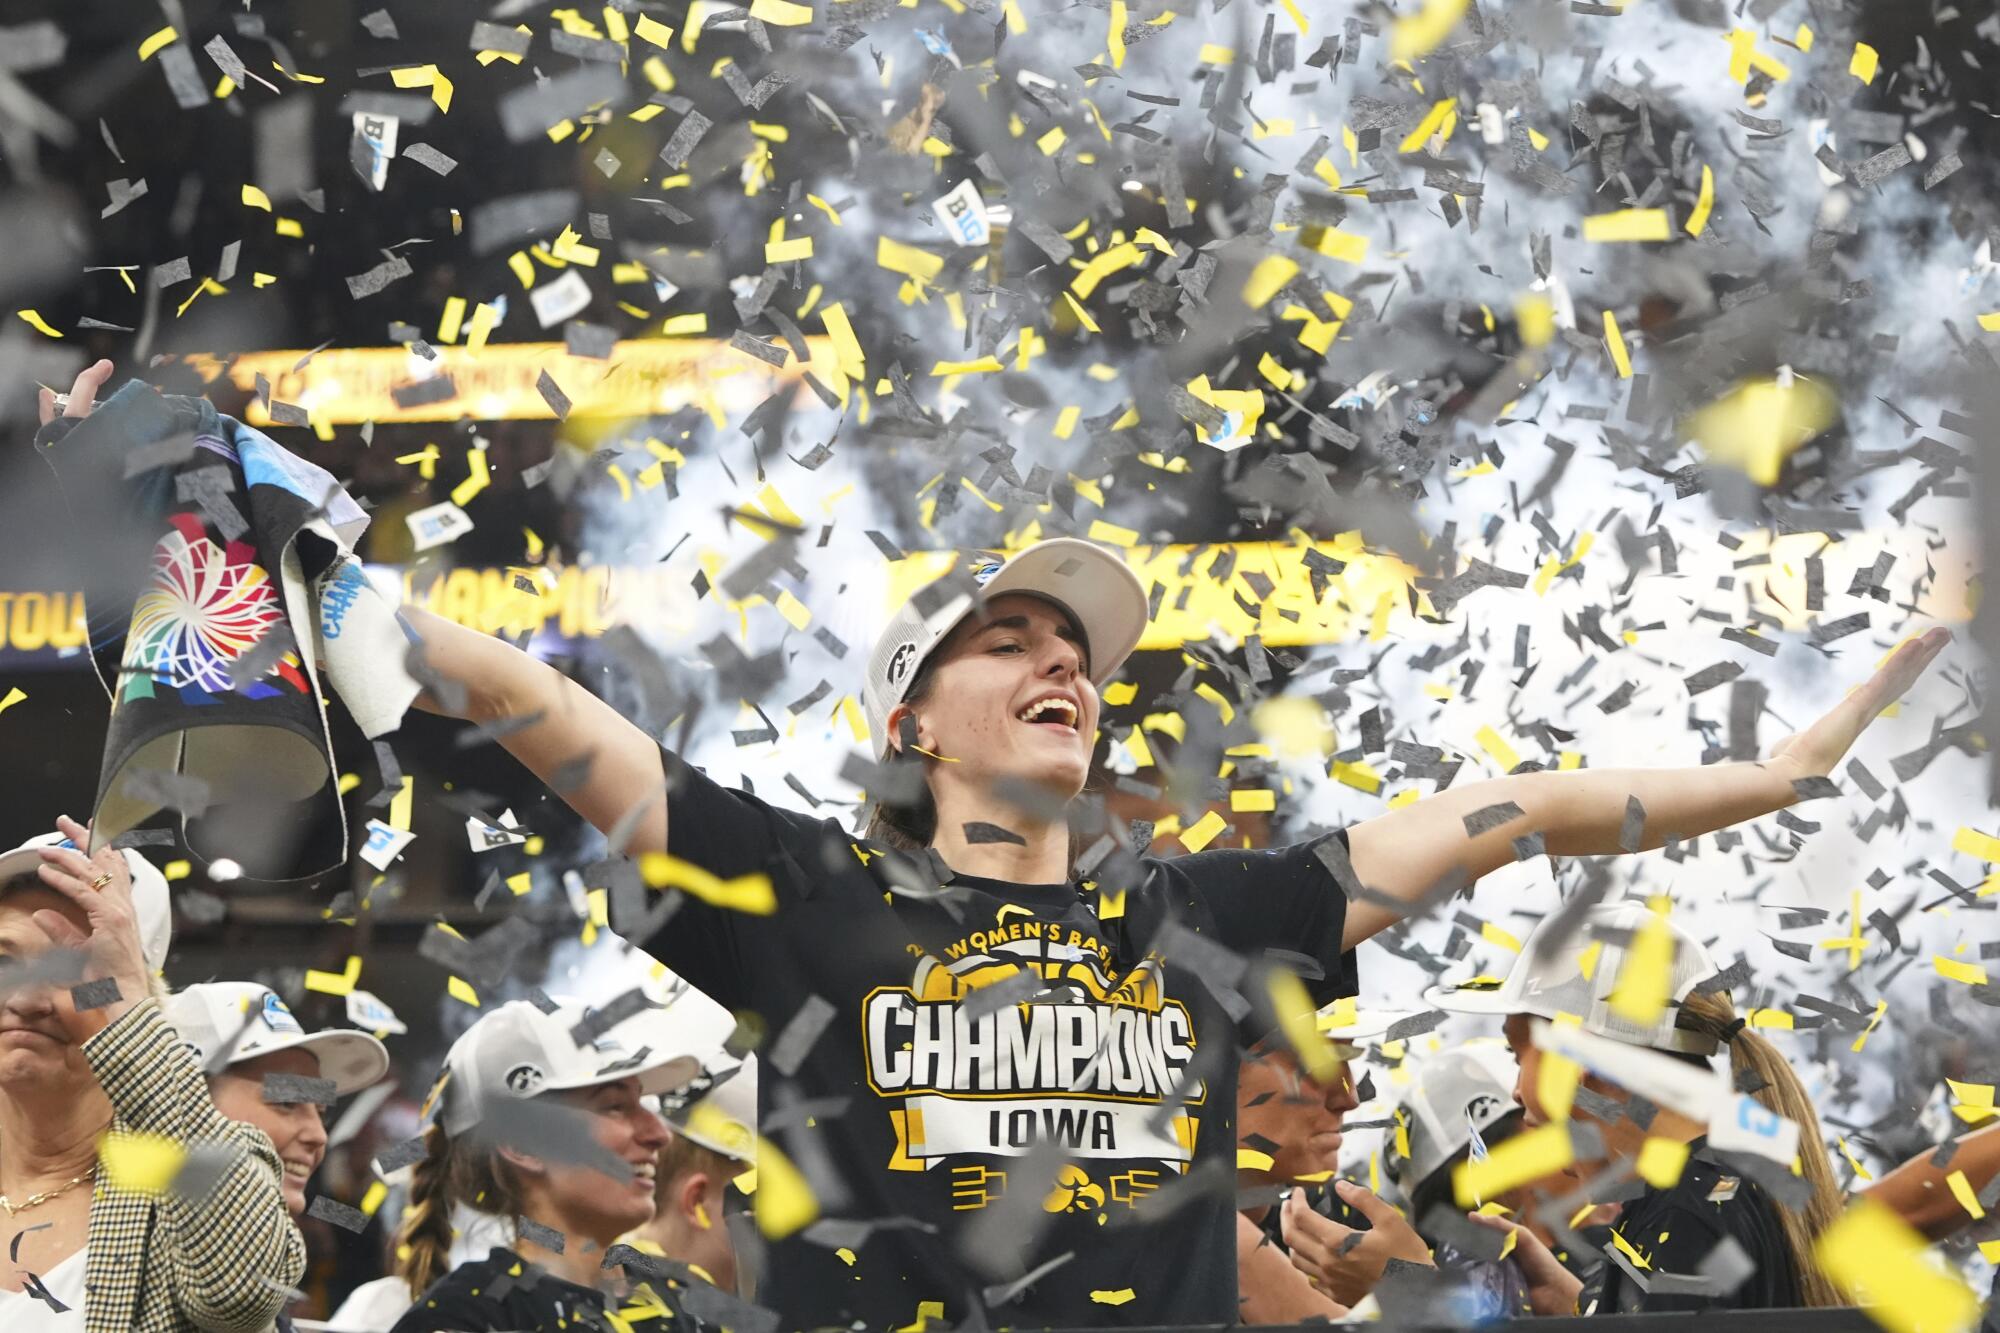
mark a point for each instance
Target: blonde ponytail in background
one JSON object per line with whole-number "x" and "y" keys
{"x": 1712, "y": 1013}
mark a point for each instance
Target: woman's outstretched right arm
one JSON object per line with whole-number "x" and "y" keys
{"x": 602, "y": 765}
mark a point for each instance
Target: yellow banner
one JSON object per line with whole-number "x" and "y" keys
{"x": 500, "y": 381}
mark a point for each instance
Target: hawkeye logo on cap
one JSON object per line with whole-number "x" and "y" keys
{"x": 277, "y": 1017}
{"x": 526, "y": 1080}
{"x": 899, "y": 664}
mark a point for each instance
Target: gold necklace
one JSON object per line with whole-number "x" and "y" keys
{"x": 33, "y": 1199}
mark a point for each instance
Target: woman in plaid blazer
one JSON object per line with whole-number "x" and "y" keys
{"x": 111, "y": 1150}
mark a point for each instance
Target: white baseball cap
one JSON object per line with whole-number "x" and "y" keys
{"x": 1579, "y": 975}
{"x": 719, "y": 1109}
{"x": 1091, "y": 583}
{"x": 229, "y": 1022}
{"x": 518, "y": 1051}
{"x": 1458, "y": 1092}
{"x": 149, "y": 892}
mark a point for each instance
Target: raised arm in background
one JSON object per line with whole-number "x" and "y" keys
{"x": 1406, "y": 855}
{"x": 1921, "y": 1193}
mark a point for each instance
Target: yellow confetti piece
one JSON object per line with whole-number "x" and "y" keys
{"x": 793, "y": 610}
{"x": 1879, "y": 1261}
{"x": 425, "y": 76}
{"x": 1661, "y": 1162}
{"x": 746, "y": 893}
{"x": 152, "y": 45}
{"x": 521, "y": 885}
{"x": 784, "y": 1202}
{"x": 1760, "y": 423}
{"x": 1961, "y": 1189}
{"x": 781, "y": 13}
{"x": 1357, "y": 775}
{"x": 1272, "y": 273}
{"x": 458, "y": 988}
{"x": 1116, "y": 41}
{"x": 1556, "y": 1083}
{"x": 1418, "y": 34}
{"x": 174, "y": 870}
{"x": 1972, "y": 974}
{"x": 37, "y": 323}
{"x": 1249, "y": 1159}
{"x": 14, "y": 695}
{"x": 1644, "y": 981}
{"x": 1493, "y": 934}
{"x": 1704, "y": 203}
{"x": 1346, "y": 246}
{"x": 785, "y": 252}
{"x": 985, "y": 365}
{"x": 1864, "y": 62}
{"x": 1539, "y": 1152}
{"x": 1203, "y": 832}
{"x": 1974, "y": 843}
{"x": 140, "y": 1163}
{"x": 1298, "y": 1021}
{"x": 1615, "y": 341}
{"x": 1535, "y": 317}
{"x": 650, "y": 29}
{"x": 399, "y": 804}
{"x": 476, "y": 479}
{"x": 1212, "y": 54}
{"x": 1252, "y": 799}
{"x": 373, "y": 1199}
{"x": 1628, "y": 224}
{"x": 335, "y": 983}
{"x": 256, "y": 198}
{"x": 1496, "y": 745}
{"x": 1437, "y": 121}
{"x": 1120, "y": 692}
{"x": 1100, "y": 531}
{"x": 1223, "y": 707}
{"x": 1991, "y": 323}
{"x": 1118, "y": 1297}
{"x": 907, "y": 260}
{"x": 1103, "y": 265}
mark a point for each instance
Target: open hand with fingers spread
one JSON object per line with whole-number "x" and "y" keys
{"x": 1341, "y": 1261}
{"x": 82, "y": 395}
{"x": 1816, "y": 750}
{"x": 100, "y": 887}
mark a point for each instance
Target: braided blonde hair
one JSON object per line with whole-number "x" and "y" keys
{"x": 452, "y": 1171}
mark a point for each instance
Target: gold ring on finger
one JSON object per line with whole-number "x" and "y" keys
{"x": 101, "y": 881}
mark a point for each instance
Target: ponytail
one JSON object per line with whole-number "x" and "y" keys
{"x": 1780, "y": 1091}
{"x": 452, "y": 1171}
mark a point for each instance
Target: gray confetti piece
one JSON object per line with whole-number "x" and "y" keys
{"x": 535, "y": 108}
{"x": 173, "y": 271}
{"x": 345, "y": 1216}
{"x": 1632, "y": 833}
{"x": 977, "y": 832}
{"x": 298, "y": 1089}
{"x": 553, "y": 395}
{"x": 1491, "y": 817}
{"x": 1866, "y": 781}
{"x": 426, "y": 156}
{"x": 499, "y": 37}
{"x": 801, "y": 1032}
{"x": 366, "y": 284}
{"x": 545, "y": 1236}
{"x": 95, "y": 994}
{"x": 686, "y": 136}
{"x": 1709, "y": 677}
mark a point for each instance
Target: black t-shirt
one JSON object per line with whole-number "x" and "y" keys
{"x": 503, "y": 1291}
{"x": 939, "y": 1106}
{"x": 1675, "y": 1229}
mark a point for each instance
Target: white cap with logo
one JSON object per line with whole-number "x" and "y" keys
{"x": 149, "y": 892}
{"x": 229, "y": 1022}
{"x": 1580, "y": 974}
{"x": 1457, "y": 1093}
{"x": 518, "y": 1051}
{"x": 1091, "y": 583}
{"x": 719, "y": 1109}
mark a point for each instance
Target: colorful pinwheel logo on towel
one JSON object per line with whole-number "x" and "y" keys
{"x": 206, "y": 606}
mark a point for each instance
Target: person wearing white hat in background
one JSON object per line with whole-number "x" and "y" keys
{"x": 1288, "y": 1136}
{"x": 713, "y": 1123}
{"x": 985, "y": 686}
{"x": 241, "y": 1033}
{"x": 541, "y": 1118}
{"x": 1631, "y": 996}
{"x": 88, "y": 1251}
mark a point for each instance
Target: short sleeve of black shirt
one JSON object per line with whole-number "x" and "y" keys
{"x": 1677, "y": 1229}
{"x": 729, "y": 833}
{"x": 1284, "y": 899}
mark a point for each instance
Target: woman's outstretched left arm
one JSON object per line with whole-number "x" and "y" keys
{"x": 1430, "y": 848}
